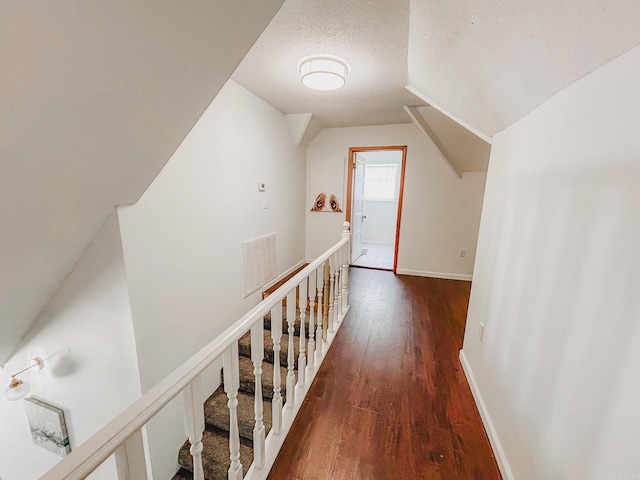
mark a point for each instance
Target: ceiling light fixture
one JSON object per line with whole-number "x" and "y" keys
{"x": 323, "y": 72}
{"x": 18, "y": 389}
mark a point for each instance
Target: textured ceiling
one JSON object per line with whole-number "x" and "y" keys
{"x": 95, "y": 97}
{"x": 372, "y": 36}
{"x": 485, "y": 63}
{"x": 490, "y": 62}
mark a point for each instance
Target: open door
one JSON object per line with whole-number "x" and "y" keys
{"x": 357, "y": 213}
{"x": 375, "y": 184}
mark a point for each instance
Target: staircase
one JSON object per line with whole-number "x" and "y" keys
{"x": 238, "y": 421}
{"x": 215, "y": 453}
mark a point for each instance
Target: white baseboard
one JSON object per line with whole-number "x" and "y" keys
{"x": 494, "y": 440}
{"x": 386, "y": 244}
{"x": 446, "y": 276}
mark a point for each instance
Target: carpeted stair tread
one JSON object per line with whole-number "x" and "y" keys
{"x": 183, "y": 474}
{"x": 247, "y": 380}
{"x": 244, "y": 347}
{"x": 215, "y": 456}
{"x": 216, "y": 413}
{"x": 285, "y": 325}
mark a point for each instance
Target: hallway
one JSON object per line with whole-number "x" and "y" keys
{"x": 391, "y": 400}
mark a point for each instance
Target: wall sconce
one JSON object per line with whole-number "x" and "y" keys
{"x": 18, "y": 389}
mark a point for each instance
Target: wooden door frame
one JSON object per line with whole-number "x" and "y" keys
{"x": 350, "y": 166}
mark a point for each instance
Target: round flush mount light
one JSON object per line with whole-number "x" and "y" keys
{"x": 323, "y": 72}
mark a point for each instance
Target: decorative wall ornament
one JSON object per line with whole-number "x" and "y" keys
{"x": 48, "y": 427}
{"x": 326, "y": 203}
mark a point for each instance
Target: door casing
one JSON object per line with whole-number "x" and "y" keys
{"x": 350, "y": 167}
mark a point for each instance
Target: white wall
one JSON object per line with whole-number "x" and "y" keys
{"x": 441, "y": 213}
{"x": 556, "y": 283}
{"x": 91, "y": 373}
{"x": 379, "y": 227}
{"x": 183, "y": 239}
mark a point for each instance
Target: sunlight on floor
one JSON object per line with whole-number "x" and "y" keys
{"x": 376, "y": 256}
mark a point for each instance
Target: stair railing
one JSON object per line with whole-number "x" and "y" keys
{"x": 122, "y": 437}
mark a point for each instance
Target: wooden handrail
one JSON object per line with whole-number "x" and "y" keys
{"x": 92, "y": 453}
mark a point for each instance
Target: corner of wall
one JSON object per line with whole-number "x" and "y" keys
{"x": 487, "y": 421}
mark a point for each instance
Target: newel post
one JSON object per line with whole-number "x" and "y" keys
{"x": 346, "y": 260}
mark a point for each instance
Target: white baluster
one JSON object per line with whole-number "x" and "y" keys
{"x": 332, "y": 279}
{"x": 345, "y": 267}
{"x": 336, "y": 290}
{"x": 194, "y": 423}
{"x": 291, "y": 356}
{"x": 257, "y": 356}
{"x": 312, "y": 317}
{"x": 302, "y": 357}
{"x": 319, "y": 314}
{"x": 276, "y": 402}
{"x": 339, "y": 285}
{"x": 130, "y": 460}
{"x": 231, "y": 384}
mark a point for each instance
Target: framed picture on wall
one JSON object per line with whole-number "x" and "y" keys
{"x": 48, "y": 426}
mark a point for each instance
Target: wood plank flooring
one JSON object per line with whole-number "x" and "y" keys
{"x": 390, "y": 400}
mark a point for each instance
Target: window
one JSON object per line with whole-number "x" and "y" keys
{"x": 380, "y": 182}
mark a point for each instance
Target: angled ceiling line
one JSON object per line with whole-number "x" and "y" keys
{"x": 460, "y": 122}
{"x": 420, "y": 122}
{"x": 303, "y": 128}
{"x": 298, "y": 123}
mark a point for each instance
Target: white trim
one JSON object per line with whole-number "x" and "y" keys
{"x": 382, "y": 244}
{"x": 421, "y": 123}
{"x": 462, "y": 123}
{"x": 446, "y": 276}
{"x": 298, "y": 124}
{"x": 110, "y": 438}
{"x": 274, "y": 442}
{"x": 494, "y": 439}
{"x": 271, "y": 283}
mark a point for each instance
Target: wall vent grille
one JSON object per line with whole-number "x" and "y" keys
{"x": 260, "y": 264}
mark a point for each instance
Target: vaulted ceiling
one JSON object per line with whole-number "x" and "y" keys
{"x": 487, "y": 63}
{"x": 482, "y": 64}
{"x": 95, "y": 96}
{"x": 371, "y": 36}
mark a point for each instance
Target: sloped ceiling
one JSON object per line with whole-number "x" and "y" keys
{"x": 469, "y": 152}
{"x": 95, "y": 96}
{"x": 487, "y": 63}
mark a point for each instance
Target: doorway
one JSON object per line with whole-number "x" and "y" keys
{"x": 375, "y": 186}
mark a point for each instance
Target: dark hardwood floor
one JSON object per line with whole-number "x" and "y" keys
{"x": 391, "y": 400}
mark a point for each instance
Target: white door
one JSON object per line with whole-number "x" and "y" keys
{"x": 357, "y": 216}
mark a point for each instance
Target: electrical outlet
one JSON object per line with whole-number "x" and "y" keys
{"x": 265, "y": 204}
{"x": 481, "y": 331}
{"x": 463, "y": 253}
